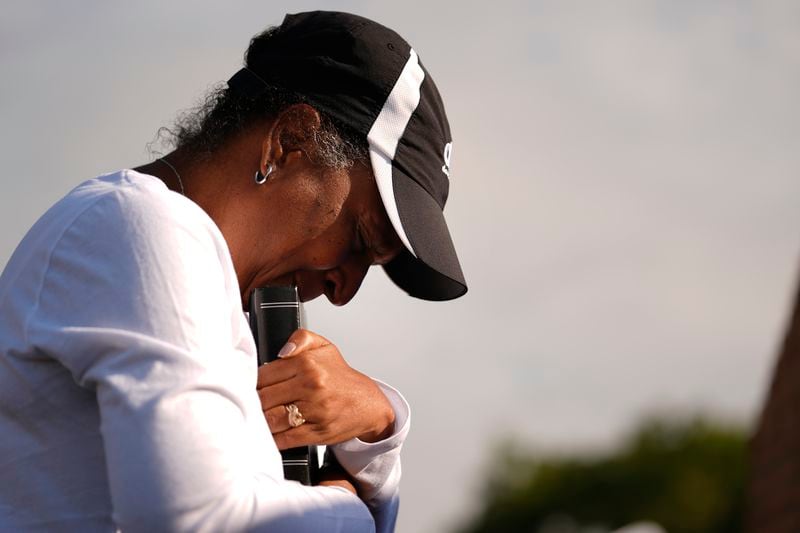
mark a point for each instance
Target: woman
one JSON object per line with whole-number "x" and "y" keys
{"x": 129, "y": 395}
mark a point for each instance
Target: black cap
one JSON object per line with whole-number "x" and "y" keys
{"x": 366, "y": 76}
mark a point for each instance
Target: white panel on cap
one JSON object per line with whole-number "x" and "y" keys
{"x": 386, "y": 132}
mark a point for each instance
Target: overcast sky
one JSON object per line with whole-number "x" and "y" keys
{"x": 625, "y": 198}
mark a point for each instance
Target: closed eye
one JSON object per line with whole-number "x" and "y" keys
{"x": 379, "y": 254}
{"x": 361, "y": 243}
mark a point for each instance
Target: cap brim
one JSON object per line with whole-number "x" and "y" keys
{"x": 432, "y": 271}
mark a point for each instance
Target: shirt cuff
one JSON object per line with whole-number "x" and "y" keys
{"x": 356, "y": 455}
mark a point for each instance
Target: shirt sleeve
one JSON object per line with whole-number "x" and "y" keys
{"x": 137, "y": 303}
{"x": 375, "y": 466}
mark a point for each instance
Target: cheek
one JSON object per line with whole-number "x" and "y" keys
{"x": 311, "y": 231}
{"x": 317, "y": 208}
{"x": 328, "y": 251}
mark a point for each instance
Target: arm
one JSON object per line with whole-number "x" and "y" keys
{"x": 375, "y": 467}
{"x": 138, "y": 305}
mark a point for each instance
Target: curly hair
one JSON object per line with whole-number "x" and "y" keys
{"x": 224, "y": 113}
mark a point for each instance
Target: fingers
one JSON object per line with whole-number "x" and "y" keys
{"x": 308, "y": 382}
{"x": 278, "y": 417}
{"x": 299, "y": 436}
{"x": 279, "y": 394}
{"x": 275, "y": 372}
{"x": 304, "y": 435}
{"x": 302, "y": 342}
{"x": 287, "y": 436}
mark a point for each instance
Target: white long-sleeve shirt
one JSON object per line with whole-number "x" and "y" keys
{"x": 127, "y": 382}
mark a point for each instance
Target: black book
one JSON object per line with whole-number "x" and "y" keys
{"x": 274, "y": 316}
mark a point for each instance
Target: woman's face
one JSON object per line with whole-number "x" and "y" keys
{"x": 320, "y": 229}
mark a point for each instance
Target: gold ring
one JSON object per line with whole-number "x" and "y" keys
{"x": 295, "y": 416}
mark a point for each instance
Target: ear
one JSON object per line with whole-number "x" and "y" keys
{"x": 291, "y": 135}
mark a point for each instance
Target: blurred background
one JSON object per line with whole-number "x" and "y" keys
{"x": 624, "y": 198}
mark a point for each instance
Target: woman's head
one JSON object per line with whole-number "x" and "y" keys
{"x": 323, "y": 224}
{"x": 316, "y": 220}
{"x": 351, "y": 131}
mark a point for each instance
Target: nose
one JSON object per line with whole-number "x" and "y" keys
{"x": 342, "y": 283}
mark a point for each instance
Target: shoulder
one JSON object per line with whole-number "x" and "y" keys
{"x": 132, "y": 256}
{"x": 117, "y": 222}
{"x": 125, "y": 232}
{"x": 134, "y": 211}
{"x": 139, "y": 202}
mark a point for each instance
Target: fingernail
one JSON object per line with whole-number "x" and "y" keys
{"x": 287, "y": 349}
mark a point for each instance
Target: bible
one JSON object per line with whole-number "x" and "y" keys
{"x": 275, "y": 313}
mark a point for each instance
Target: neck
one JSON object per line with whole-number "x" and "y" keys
{"x": 222, "y": 185}
{"x": 209, "y": 181}
{"x": 162, "y": 171}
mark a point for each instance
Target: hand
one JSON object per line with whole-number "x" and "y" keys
{"x": 338, "y": 402}
{"x": 335, "y": 476}
{"x": 343, "y": 482}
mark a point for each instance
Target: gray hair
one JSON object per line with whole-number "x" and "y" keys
{"x": 336, "y": 151}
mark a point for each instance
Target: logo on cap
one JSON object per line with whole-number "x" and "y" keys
{"x": 448, "y": 149}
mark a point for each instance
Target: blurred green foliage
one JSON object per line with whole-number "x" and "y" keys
{"x": 686, "y": 475}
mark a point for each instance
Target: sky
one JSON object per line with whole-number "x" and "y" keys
{"x": 624, "y": 198}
